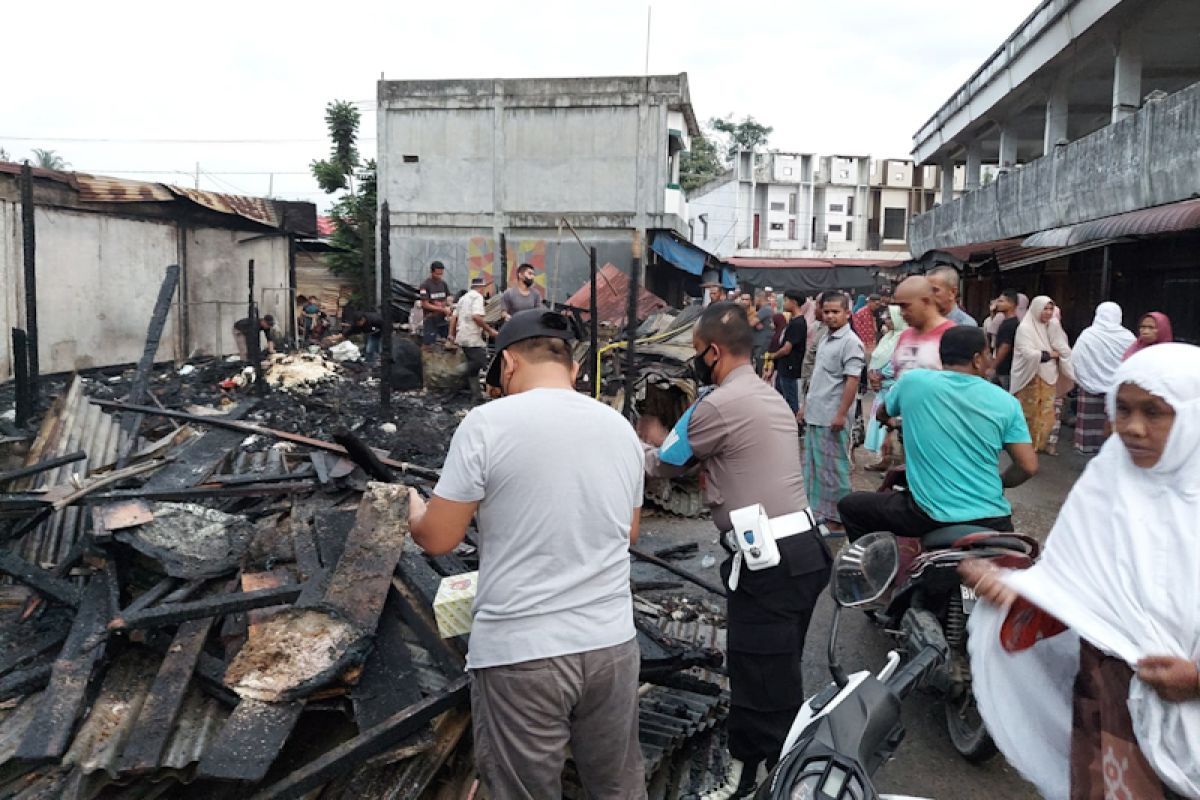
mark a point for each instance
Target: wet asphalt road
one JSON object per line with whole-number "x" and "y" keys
{"x": 926, "y": 764}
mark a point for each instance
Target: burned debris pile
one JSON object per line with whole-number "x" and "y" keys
{"x": 211, "y": 594}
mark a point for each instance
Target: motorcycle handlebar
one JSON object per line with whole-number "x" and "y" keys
{"x": 914, "y": 672}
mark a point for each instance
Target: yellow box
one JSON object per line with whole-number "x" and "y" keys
{"x": 452, "y": 604}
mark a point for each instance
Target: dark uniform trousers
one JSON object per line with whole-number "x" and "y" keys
{"x": 768, "y": 617}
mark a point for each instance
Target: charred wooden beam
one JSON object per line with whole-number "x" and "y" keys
{"x": 53, "y": 724}
{"x": 388, "y": 683}
{"x": 137, "y": 391}
{"x": 358, "y": 452}
{"x": 29, "y": 257}
{"x": 367, "y": 744}
{"x": 40, "y": 580}
{"x": 683, "y": 573}
{"x": 204, "y": 492}
{"x": 38, "y": 645}
{"x": 677, "y": 551}
{"x": 249, "y": 428}
{"x": 23, "y": 392}
{"x": 250, "y": 741}
{"x": 156, "y": 720}
{"x": 22, "y": 682}
{"x": 174, "y": 613}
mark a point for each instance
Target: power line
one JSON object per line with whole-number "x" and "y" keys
{"x": 114, "y": 140}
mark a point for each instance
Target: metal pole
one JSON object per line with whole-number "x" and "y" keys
{"x": 503, "y": 262}
{"x": 29, "y": 249}
{"x": 385, "y": 307}
{"x": 24, "y": 402}
{"x": 631, "y": 324}
{"x": 593, "y": 321}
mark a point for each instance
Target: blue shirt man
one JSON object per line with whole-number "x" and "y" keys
{"x": 955, "y": 425}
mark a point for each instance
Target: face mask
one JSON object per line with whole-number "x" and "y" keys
{"x": 527, "y": 281}
{"x": 701, "y": 370}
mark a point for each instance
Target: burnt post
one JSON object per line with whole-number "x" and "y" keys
{"x": 23, "y": 398}
{"x": 594, "y": 322}
{"x": 503, "y": 262}
{"x": 254, "y": 340}
{"x": 385, "y": 307}
{"x": 29, "y": 251}
{"x": 631, "y": 325}
{"x": 138, "y": 391}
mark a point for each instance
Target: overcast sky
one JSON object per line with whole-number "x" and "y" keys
{"x": 239, "y": 88}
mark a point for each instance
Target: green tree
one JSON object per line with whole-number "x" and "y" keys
{"x": 354, "y": 212}
{"x": 48, "y": 159}
{"x": 748, "y": 134}
{"x": 700, "y": 164}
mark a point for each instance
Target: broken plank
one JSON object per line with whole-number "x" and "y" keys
{"x": 42, "y": 466}
{"x": 303, "y": 649}
{"x": 137, "y": 392}
{"x": 156, "y": 721}
{"x": 52, "y": 727}
{"x": 22, "y": 682}
{"x": 388, "y": 682}
{"x": 172, "y": 613}
{"x": 248, "y": 428}
{"x": 363, "y": 456}
{"x": 421, "y": 770}
{"x": 205, "y": 492}
{"x": 367, "y": 744}
{"x": 31, "y": 648}
{"x": 250, "y": 741}
{"x": 418, "y": 616}
{"x": 196, "y": 460}
{"x": 35, "y": 577}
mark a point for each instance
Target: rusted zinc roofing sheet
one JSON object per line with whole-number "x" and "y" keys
{"x": 254, "y": 208}
{"x": 1169, "y": 218}
{"x": 612, "y": 297}
{"x": 106, "y": 189}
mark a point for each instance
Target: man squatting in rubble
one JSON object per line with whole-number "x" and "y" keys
{"x": 742, "y": 434}
{"x": 553, "y": 656}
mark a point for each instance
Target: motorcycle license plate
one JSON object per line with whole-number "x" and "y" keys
{"x": 968, "y": 598}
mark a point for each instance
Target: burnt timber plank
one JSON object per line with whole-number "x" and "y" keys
{"x": 173, "y": 613}
{"x": 137, "y": 392}
{"x": 39, "y": 644}
{"x": 33, "y": 576}
{"x": 388, "y": 682}
{"x": 359, "y": 584}
{"x": 252, "y": 737}
{"x": 156, "y": 721}
{"x": 421, "y": 771}
{"x": 50, "y": 731}
{"x": 195, "y": 461}
{"x": 417, "y": 615}
{"x": 368, "y": 743}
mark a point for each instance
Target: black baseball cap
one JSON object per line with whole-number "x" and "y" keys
{"x": 531, "y": 324}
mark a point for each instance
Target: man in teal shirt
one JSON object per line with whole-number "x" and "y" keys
{"x": 955, "y": 425}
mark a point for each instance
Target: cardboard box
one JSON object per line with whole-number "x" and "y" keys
{"x": 452, "y": 604}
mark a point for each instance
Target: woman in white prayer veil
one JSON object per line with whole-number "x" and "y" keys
{"x": 1085, "y": 664}
{"x": 1097, "y": 353}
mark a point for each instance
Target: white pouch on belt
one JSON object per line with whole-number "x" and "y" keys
{"x": 755, "y": 536}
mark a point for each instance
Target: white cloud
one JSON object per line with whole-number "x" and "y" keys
{"x": 855, "y": 76}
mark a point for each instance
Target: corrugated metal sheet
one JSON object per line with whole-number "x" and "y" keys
{"x": 105, "y": 189}
{"x": 254, "y": 208}
{"x": 612, "y": 297}
{"x": 809, "y": 263}
{"x": 1169, "y": 218}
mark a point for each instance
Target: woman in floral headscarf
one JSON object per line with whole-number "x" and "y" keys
{"x": 1041, "y": 369}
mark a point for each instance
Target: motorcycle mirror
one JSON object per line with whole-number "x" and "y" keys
{"x": 864, "y": 569}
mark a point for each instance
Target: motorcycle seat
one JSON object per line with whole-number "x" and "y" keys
{"x": 939, "y": 538}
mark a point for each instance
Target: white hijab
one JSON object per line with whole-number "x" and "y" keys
{"x": 1122, "y": 570}
{"x": 1099, "y": 349}
{"x": 1035, "y": 337}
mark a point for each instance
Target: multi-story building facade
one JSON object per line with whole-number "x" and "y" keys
{"x": 803, "y": 205}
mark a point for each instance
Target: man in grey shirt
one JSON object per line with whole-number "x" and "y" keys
{"x": 522, "y": 296}
{"x": 945, "y": 282}
{"x": 553, "y": 655}
{"x": 828, "y": 418}
{"x": 764, "y": 327}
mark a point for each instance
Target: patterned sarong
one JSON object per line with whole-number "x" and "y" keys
{"x": 1090, "y": 419}
{"x": 826, "y": 469}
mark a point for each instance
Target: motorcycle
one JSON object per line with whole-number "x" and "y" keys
{"x": 845, "y": 732}
{"x": 927, "y": 581}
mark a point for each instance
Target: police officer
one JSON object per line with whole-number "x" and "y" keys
{"x": 742, "y": 435}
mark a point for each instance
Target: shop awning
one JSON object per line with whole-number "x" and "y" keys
{"x": 1169, "y": 218}
{"x": 684, "y": 255}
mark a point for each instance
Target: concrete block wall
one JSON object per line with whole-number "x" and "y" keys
{"x": 1147, "y": 159}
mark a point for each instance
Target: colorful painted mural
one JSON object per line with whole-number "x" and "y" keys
{"x": 481, "y": 258}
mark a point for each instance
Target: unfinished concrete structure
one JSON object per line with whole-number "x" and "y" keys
{"x": 464, "y": 162}
{"x": 103, "y": 245}
{"x": 1091, "y": 111}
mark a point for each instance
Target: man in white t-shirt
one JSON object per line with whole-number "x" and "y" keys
{"x": 470, "y": 326}
{"x": 553, "y": 655}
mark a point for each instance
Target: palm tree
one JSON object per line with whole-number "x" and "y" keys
{"x": 48, "y": 159}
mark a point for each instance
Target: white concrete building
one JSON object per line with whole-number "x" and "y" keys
{"x": 802, "y": 205}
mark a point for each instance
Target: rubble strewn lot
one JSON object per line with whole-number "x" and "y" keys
{"x": 214, "y": 596}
